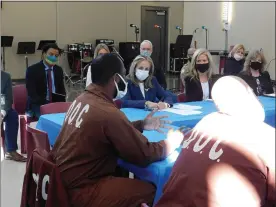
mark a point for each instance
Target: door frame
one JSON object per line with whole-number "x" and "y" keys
{"x": 143, "y": 18}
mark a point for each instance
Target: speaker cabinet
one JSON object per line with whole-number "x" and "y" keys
{"x": 128, "y": 51}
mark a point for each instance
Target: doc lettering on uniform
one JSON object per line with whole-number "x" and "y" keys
{"x": 214, "y": 153}
{"x": 75, "y": 113}
{"x": 45, "y": 180}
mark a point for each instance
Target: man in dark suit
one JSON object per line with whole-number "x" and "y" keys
{"x": 44, "y": 79}
{"x": 10, "y": 118}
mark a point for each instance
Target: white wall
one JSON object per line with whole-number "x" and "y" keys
{"x": 71, "y": 22}
{"x": 253, "y": 24}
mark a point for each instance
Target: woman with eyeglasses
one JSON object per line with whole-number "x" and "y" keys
{"x": 257, "y": 77}
{"x": 144, "y": 91}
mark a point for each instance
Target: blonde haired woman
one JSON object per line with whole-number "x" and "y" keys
{"x": 197, "y": 77}
{"x": 100, "y": 49}
{"x": 190, "y": 53}
{"x": 254, "y": 67}
{"x": 235, "y": 61}
{"x": 144, "y": 91}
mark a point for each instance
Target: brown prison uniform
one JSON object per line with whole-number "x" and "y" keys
{"x": 225, "y": 162}
{"x": 94, "y": 135}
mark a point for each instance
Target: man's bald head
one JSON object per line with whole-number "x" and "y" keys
{"x": 191, "y": 51}
{"x": 234, "y": 97}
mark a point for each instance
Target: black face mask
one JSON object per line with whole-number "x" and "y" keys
{"x": 255, "y": 65}
{"x": 202, "y": 68}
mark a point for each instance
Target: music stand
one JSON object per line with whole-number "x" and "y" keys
{"x": 6, "y": 41}
{"x": 183, "y": 43}
{"x": 25, "y": 48}
{"x": 45, "y": 42}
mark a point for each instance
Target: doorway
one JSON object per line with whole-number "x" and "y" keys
{"x": 151, "y": 16}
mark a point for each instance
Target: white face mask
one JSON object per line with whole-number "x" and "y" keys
{"x": 120, "y": 94}
{"x": 238, "y": 57}
{"x": 142, "y": 74}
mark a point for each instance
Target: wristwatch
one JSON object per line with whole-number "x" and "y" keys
{"x": 168, "y": 105}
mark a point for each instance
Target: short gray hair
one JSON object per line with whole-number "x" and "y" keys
{"x": 99, "y": 47}
{"x": 132, "y": 77}
{"x": 146, "y": 41}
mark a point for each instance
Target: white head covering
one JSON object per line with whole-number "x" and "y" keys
{"x": 234, "y": 97}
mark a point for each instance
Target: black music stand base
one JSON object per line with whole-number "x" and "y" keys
{"x": 25, "y": 48}
{"x": 6, "y": 41}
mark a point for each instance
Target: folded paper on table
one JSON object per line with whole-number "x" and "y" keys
{"x": 270, "y": 95}
{"x": 186, "y": 107}
{"x": 185, "y": 112}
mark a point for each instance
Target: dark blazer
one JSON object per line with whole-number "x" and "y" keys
{"x": 193, "y": 89}
{"x": 36, "y": 83}
{"x": 233, "y": 67}
{"x": 135, "y": 99}
{"x": 6, "y": 90}
{"x": 265, "y": 82}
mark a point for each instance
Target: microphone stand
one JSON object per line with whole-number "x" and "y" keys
{"x": 194, "y": 36}
{"x": 115, "y": 51}
{"x": 206, "y": 38}
{"x": 226, "y": 44}
{"x": 160, "y": 53}
{"x": 136, "y": 33}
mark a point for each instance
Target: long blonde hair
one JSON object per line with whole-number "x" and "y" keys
{"x": 191, "y": 70}
{"x": 252, "y": 56}
{"x": 131, "y": 76}
{"x": 99, "y": 47}
{"x": 235, "y": 49}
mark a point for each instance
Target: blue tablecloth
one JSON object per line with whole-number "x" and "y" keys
{"x": 269, "y": 104}
{"x": 158, "y": 172}
{"x": 207, "y": 108}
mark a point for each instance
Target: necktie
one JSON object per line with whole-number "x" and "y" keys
{"x": 49, "y": 78}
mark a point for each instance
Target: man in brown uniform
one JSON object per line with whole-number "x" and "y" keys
{"x": 229, "y": 157}
{"x": 95, "y": 134}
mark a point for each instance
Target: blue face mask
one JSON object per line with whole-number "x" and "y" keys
{"x": 145, "y": 53}
{"x": 51, "y": 59}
